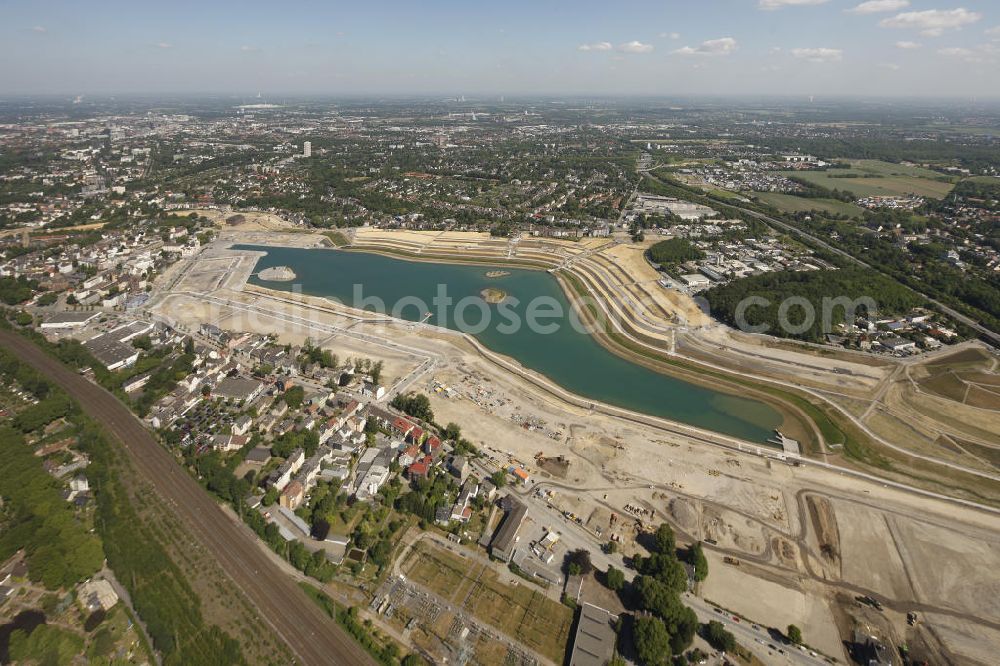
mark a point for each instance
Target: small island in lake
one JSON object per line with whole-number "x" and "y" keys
{"x": 491, "y": 295}
{"x": 497, "y": 274}
{"x": 277, "y": 274}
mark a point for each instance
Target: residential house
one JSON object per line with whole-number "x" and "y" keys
{"x": 281, "y": 476}
{"x": 292, "y": 495}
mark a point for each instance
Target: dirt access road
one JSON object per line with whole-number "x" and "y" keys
{"x": 312, "y": 636}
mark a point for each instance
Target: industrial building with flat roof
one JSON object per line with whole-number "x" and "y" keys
{"x": 111, "y": 352}
{"x": 70, "y": 319}
{"x": 502, "y": 546}
{"x": 594, "y": 643}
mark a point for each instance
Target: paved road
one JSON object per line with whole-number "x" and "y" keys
{"x": 312, "y": 636}
{"x": 758, "y": 641}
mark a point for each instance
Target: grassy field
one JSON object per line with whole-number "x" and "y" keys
{"x": 789, "y": 203}
{"x": 336, "y": 237}
{"x": 519, "y": 611}
{"x": 876, "y": 178}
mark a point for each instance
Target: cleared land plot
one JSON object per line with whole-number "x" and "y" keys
{"x": 518, "y": 611}
{"x": 983, "y": 398}
{"x": 767, "y": 602}
{"x": 965, "y": 356}
{"x": 976, "y": 389}
{"x": 875, "y": 178}
{"x": 789, "y": 203}
{"x": 950, "y": 569}
{"x": 988, "y": 453}
{"x": 868, "y": 556}
{"x": 973, "y": 643}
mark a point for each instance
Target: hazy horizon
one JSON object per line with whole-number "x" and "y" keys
{"x": 827, "y": 48}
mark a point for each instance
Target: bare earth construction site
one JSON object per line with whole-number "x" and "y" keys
{"x": 788, "y": 543}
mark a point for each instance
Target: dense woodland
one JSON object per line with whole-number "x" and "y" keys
{"x": 673, "y": 252}
{"x": 815, "y": 286}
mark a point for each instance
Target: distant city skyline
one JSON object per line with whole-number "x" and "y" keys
{"x": 717, "y": 47}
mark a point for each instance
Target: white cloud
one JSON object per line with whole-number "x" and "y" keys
{"x": 818, "y": 54}
{"x": 670, "y": 35}
{"x": 932, "y": 22}
{"x": 249, "y": 49}
{"x": 876, "y": 6}
{"x": 39, "y": 28}
{"x": 778, "y": 4}
{"x": 164, "y": 45}
{"x": 994, "y": 31}
{"x": 635, "y": 47}
{"x": 907, "y": 45}
{"x": 596, "y": 46}
{"x": 712, "y": 47}
{"x": 979, "y": 54}
{"x": 891, "y": 66}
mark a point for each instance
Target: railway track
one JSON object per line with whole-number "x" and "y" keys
{"x": 313, "y": 637}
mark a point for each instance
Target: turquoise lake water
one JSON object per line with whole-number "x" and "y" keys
{"x": 569, "y": 357}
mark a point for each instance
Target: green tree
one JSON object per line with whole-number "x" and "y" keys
{"x": 666, "y": 569}
{"x": 46, "y": 644}
{"x": 294, "y": 396}
{"x": 615, "y": 579}
{"x": 578, "y": 562}
{"x": 452, "y": 431}
{"x": 794, "y": 634}
{"x": 499, "y": 478}
{"x": 674, "y": 251}
{"x": 416, "y": 405}
{"x": 718, "y": 637}
{"x": 664, "y": 540}
{"x": 696, "y": 558}
{"x": 652, "y": 641}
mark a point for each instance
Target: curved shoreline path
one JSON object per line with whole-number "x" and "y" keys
{"x": 312, "y": 636}
{"x": 571, "y": 358}
{"x": 277, "y": 274}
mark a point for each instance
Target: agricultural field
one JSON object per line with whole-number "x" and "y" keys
{"x": 875, "y": 178}
{"x": 519, "y": 611}
{"x": 789, "y": 203}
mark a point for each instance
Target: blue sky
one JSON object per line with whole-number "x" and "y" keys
{"x": 669, "y": 47}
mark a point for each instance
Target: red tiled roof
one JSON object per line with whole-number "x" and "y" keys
{"x": 418, "y": 468}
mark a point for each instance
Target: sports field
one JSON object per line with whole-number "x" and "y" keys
{"x": 789, "y": 203}
{"x": 875, "y": 178}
